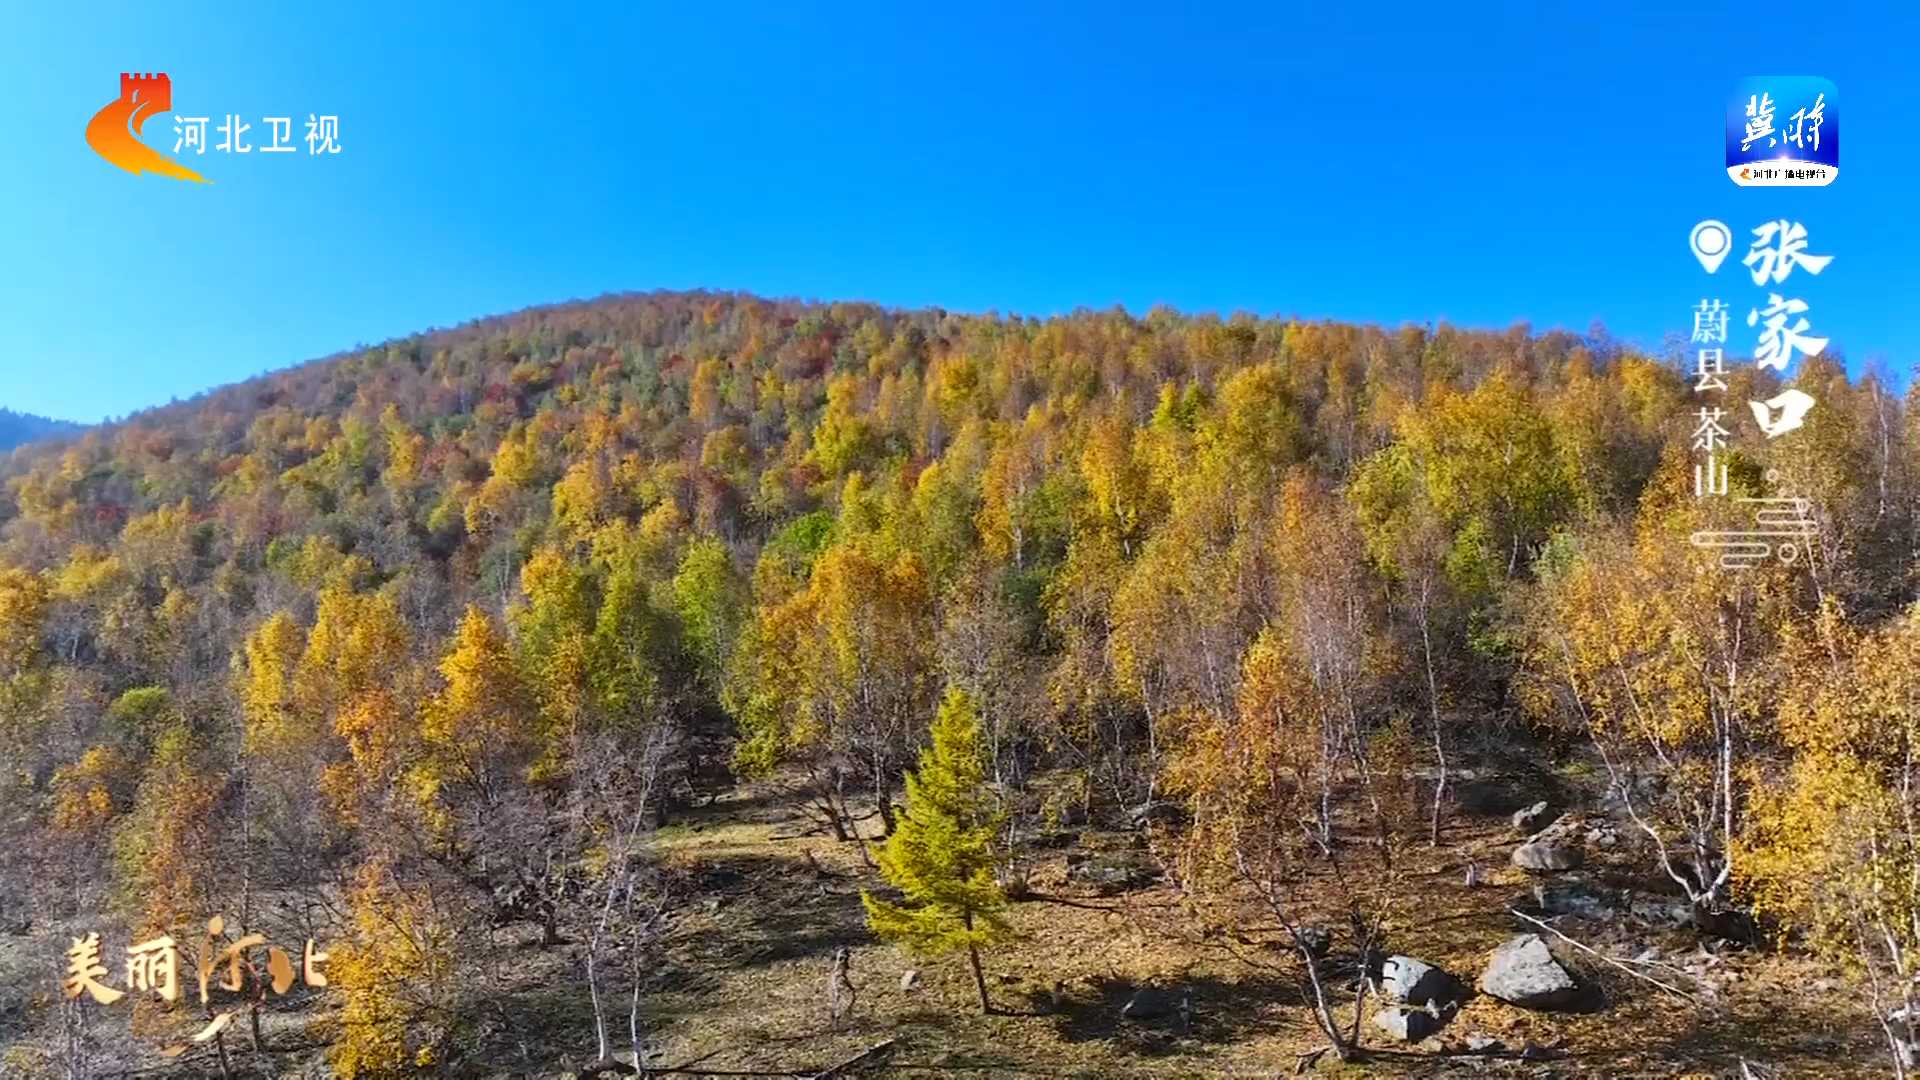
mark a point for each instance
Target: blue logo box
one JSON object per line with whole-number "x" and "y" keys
{"x": 1783, "y": 131}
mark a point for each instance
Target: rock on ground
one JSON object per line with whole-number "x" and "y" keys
{"x": 1408, "y": 1024}
{"x": 1577, "y": 896}
{"x": 1548, "y": 854}
{"x": 1663, "y": 911}
{"x": 1405, "y": 980}
{"x": 1523, "y": 972}
{"x": 1526, "y": 820}
{"x": 1150, "y": 1003}
{"x": 1113, "y": 873}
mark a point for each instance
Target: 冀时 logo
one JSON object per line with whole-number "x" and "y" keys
{"x": 1783, "y": 131}
{"x": 114, "y": 129}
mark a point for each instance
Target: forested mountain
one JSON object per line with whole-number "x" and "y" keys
{"x": 402, "y": 647}
{"x": 17, "y": 428}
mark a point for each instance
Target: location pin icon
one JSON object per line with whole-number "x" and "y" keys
{"x": 1711, "y": 240}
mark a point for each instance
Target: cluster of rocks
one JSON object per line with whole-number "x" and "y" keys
{"x": 1557, "y": 849}
{"x": 1559, "y": 846}
{"x": 1559, "y": 843}
{"x": 1524, "y": 971}
{"x": 1114, "y": 872}
{"x": 1422, "y": 998}
{"x": 1584, "y": 898}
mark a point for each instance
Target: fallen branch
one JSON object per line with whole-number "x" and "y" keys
{"x": 1642, "y": 976}
{"x": 690, "y": 1069}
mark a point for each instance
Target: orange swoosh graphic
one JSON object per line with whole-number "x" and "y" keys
{"x": 111, "y": 131}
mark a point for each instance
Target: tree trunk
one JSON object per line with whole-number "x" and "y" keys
{"x": 1344, "y": 1048}
{"x": 593, "y": 995}
{"x": 633, "y": 1027}
{"x": 1433, "y": 707}
{"x": 824, "y": 802}
{"x": 882, "y": 795}
{"x": 979, "y": 977}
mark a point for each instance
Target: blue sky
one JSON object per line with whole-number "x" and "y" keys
{"x": 1388, "y": 164}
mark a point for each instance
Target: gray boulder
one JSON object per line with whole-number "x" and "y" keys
{"x": 1526, "y": 820}
{"x": 1547, "y": 854}
{"x": 1409, "y": 1024}
{"x": 1407, "y": 981}
{"x": 1523, "y": 972}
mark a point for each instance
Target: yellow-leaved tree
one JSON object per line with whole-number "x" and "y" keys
{"x": 396, "y": 979}
{"x": 839, "y": 676}
{"x": 1667, "y": 668}
{"x": 1257, "y": 783}
{"x": 478, "y": 731}
{"x": 1831, "y": 851}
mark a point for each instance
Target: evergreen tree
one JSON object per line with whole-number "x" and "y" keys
{"x": 941, "y": 854}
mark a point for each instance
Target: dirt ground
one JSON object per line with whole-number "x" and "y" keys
{"x": 744, "y": 983}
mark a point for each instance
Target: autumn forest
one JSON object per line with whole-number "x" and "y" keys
{"x": 687, "y": 682}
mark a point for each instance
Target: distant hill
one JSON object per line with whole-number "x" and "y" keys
{"x": 17, "y": 428}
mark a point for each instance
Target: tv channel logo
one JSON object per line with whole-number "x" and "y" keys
{"x": 1783, "y": 131}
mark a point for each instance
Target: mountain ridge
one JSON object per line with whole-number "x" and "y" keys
{"x": 19, "y": 428}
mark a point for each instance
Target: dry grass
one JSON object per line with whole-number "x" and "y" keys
{"x": 743, "y": 986}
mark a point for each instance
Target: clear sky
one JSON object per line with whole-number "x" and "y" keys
{"x": 1392, "y": 163}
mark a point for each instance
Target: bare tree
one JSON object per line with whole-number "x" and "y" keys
{"x": 616, "y": 786}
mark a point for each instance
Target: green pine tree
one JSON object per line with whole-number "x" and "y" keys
{"x": 941, "y": 855}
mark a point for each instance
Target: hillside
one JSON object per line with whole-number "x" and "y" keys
{"x": 17, "y": 428}
{"x": 565, "y": 675}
